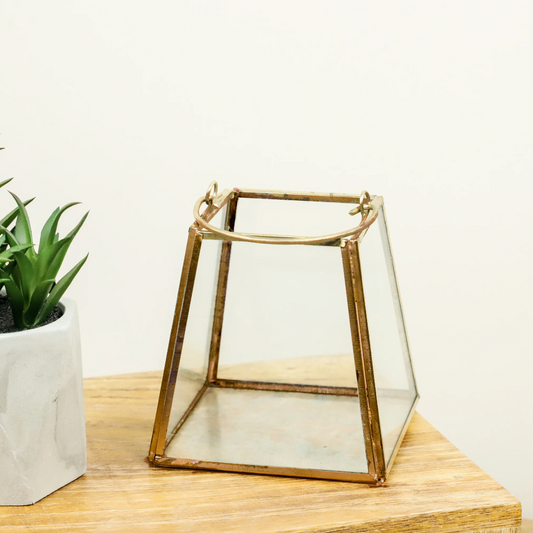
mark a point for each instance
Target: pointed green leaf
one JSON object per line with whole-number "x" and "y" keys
{"x": 47, "y": 229}
{"x": 27, "y": 277}
{"x": 6, "y": 181}
{"x": 11, "y": 239}
{"x": 37, "y": 301}
{"x": 48, "y": 255}
{"x": 23, "y": 228}
{"x": 77, "y": 227}
{"x": 31, "y": 254}
{"x": 13, "y": 215}
{"x": 52, "y": 256}
{"x": 56, "y": 259}
{"x": 16, "y": 302}
{"x": 50, "y": 227}
{"x": 8, "y": 254}
{"x": 58, "y": 291}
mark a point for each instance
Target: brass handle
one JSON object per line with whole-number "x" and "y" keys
{"x": 367, "y": 208}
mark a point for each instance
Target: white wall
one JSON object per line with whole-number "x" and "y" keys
{"x": 134, "y": 107}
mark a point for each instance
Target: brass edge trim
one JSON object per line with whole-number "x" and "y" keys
{"x": 171, "y": 462}
{"x": 284, "y": 387}
{"x": 220, "y": 299}
{"x": 349, "y": 274}
{"x": 168, "y": 383}
{"x": 264, "y": 194}
{"x": 375, "y": 426}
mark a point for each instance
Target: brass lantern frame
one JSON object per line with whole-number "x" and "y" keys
{"x": 349, "y": 242}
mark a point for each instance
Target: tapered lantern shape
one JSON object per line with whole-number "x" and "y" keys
{"x": 288, "y": 354}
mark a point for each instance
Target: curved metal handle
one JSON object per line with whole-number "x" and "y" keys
{"x": 366, "y": 208}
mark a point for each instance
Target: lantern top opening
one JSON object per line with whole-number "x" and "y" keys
{"x": 208, "y": 206}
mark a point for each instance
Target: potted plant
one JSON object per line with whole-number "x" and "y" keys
{"x": 42, "y": 423}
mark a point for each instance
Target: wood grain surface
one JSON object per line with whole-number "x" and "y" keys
{"x": 432, "y": 487}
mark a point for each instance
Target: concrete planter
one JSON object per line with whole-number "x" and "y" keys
{"x": 42, "y": 419}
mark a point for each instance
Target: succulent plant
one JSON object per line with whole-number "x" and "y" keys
{"x": 6, "y": 254}
{"x": 29, "y": 276}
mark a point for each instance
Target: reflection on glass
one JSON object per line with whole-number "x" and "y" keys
{"x": 283, "y": 429}
{"x": 393, "y": 375}
{"x": 195, "y": 353}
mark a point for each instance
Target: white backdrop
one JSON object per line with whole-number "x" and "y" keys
{"x": 133, "y": 107}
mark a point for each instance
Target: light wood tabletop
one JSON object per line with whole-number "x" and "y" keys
{"x": 432, "y": 487}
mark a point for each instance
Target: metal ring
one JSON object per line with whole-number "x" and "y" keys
{"x": 211, "y": 193}
{"x": 363, "y": 206}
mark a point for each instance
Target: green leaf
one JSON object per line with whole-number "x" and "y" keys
{"x": 23, "y": 228}
{"x": 11, "y": 239}
{"x": 58, "y": 291}
{"x": 76, "y": 228}
{"x": 16, "y": 302}
{"x": 47, "y": 256}
{"x": 50, "y": 227}
{"x": 37, "y": 301}
{"x": 8, "y": 254}
{"x": 52, "y": 256}
{"x": 6, "y": 181}
{"x": 28, "y": 279}
{"x": 13, "y": 215}
{"x": 6, "y": 270}
{"x": 47, "y": 229}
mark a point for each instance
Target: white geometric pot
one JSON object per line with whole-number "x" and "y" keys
{"x": 42, "y": 419}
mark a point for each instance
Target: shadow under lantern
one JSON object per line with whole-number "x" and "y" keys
{"x": 288, "y": 355}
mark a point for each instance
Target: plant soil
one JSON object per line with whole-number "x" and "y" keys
{"x": 7, "y": 325}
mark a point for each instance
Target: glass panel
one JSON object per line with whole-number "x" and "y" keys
{"x": 192, "y": 369}
{"x": 293, "y": 217}
{"x": 283, "y": 429}
{"x": 396, "y": 390}
{"x": 286, "y": 317}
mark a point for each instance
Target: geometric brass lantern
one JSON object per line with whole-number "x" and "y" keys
{"x": 288, "y": 355}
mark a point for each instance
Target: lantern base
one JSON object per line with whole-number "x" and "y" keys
{"x": 275, "y": 429}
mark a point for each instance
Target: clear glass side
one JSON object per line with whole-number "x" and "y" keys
{"x": 194, "y": 358}
{"x": 286, "y": 316}
{"x": 393, "y": 373}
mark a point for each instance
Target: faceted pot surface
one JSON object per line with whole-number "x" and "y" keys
{"x": 42, "y": 419}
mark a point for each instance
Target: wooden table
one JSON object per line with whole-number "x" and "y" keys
{"x": 432, "y": 488}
